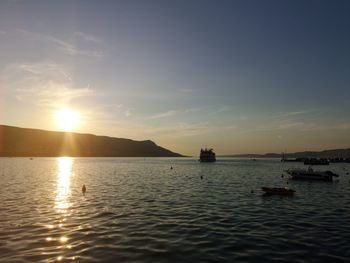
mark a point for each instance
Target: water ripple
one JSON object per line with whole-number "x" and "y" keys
{"x": 138, "y": 210}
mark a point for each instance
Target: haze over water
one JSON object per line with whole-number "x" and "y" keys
{"x": 140, "y": 210}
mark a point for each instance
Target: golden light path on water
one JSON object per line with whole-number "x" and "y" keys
{"x": 65, "y": 173}
{"x": 62, "y": 203}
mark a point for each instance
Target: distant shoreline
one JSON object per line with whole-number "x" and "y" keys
{"x": 333, "y": 153}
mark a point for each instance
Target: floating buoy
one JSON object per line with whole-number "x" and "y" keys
{"x": 171, "y": 167}
{"x": 252, "y": 191}
{"x": 287, "y": 182}
{"x": 282, "y": 176}
{"x": 201, "y": 177}
{"x": 83, "y": 189}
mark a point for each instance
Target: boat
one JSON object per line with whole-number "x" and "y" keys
{"x": 310, "y": 174}
{"x": 285, "y": 158}
{"x": 278, "y": 191}
{"x": 207, "y": 155}
{"x": 339, "y": 160}
{"x": 314, "y": 161}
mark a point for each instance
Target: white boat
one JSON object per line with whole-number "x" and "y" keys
{"x": 310, "y": 174}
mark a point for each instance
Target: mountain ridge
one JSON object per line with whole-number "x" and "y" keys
{"x": 29, "y": 142}
{"x": 330, "y": 153}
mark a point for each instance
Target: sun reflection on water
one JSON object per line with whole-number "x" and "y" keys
{"x": 65, "y": 173}
{"x": 57, "y": 229}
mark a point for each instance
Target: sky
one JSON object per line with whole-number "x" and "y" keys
{"x": 237, "y": 76}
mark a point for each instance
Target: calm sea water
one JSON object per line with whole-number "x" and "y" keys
{"x": 140, "y": 210}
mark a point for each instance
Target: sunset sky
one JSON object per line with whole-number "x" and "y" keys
{"x": 238, "y": 76}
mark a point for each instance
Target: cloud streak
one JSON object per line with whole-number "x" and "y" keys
{"x": 173, "y": 113}
{"x": 63, "y": 46}
{"x": 44, "y": 84}
{"x": 164, "y": 114}
{"x": 88, "y": 37}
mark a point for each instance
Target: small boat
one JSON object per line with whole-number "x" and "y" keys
{"x": 339, "y": 160}
{"x": 314, "y": 161}
{"x": 278, "y": 191}
{"x": 207, "y": 155}
{"x": 310, "y": 174}
{"x": 286, "y": 159}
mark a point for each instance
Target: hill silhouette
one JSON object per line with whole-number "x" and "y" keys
{"x": 333, "y": 153}
{"x": 24, "y": 142}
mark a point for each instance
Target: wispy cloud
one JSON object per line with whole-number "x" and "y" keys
{"x": 177, "y": 130}
{"x": 221, "y": 109}
{"x": 186, "y": 129}
{"x": 44, "y": 84}
{"x": 173, "y": 113}
{"x": 342, "y": 126}
{"x": 188, "y": 90}
{"x": 128, "y": 112}
{"x": 3, "y": 32}
{"x": 295, "y": 125}
{"x": 45, "y": 70}
{"x": 301, "y": 126}
{"x": 164, "y": 114}
{"x": 88, "y": 37}
{"x": 294, "y": 113}
{"x": 313, "y": 127}
{"x": 193, "y": 110}
{"x": 64, "y": 46}
{"x": 231, "y": 127}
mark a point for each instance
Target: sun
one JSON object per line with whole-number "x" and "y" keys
{"x": 67, "y": 119}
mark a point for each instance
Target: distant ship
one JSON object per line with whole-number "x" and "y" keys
{"x": 207, "y": 156}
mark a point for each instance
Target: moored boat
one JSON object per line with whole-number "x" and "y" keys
{"x": 310, "y": 174}
{"x": 314, "y": 161}
{"x": 286, "y": 159}
{"x": 278, "y": 191}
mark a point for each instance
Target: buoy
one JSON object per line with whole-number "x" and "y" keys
{"x": 171, "y": 167}
{"x": 83, "y": 189}
{"x": 282, "y": 175}
{"x": 201, "y": 177}
{"x": 287, "y": 182}
{"x": 252, "y": 191}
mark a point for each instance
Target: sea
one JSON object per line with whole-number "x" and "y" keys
{"x": 169, "y": 210}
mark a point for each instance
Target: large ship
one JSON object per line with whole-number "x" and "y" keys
{"x": 207, "y": 155}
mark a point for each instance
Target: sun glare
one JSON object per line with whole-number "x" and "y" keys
{"x": 67, "y": 119}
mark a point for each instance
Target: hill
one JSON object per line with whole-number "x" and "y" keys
{"x": 19, "y": 142}
{"x": 335, "y": 153}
